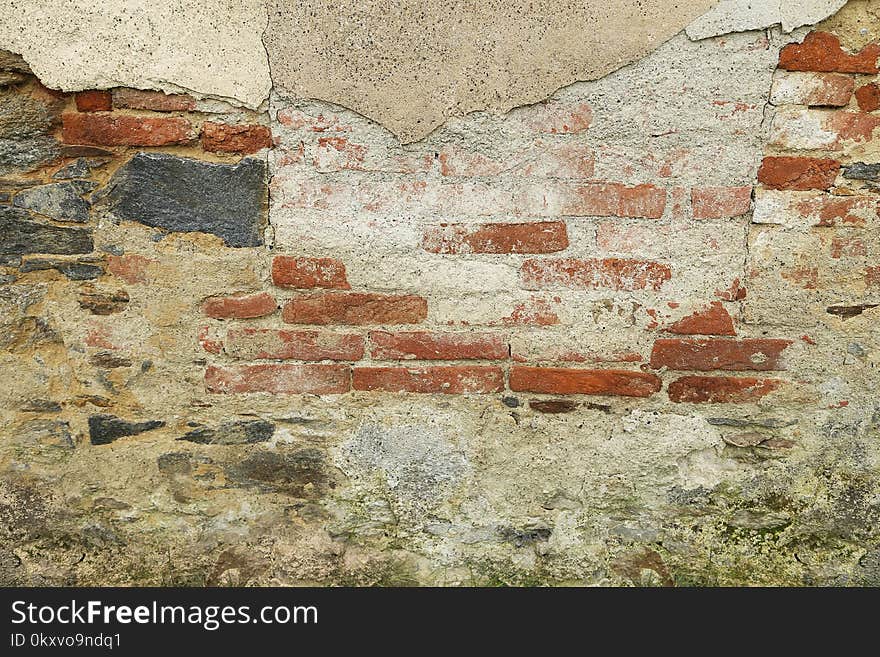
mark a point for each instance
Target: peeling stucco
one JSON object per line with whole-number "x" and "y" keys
{"x": 210, "y": 47}
{"x": 743, "y": 15}
{"x": 410, "y": 66}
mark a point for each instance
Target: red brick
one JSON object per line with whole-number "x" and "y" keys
{"x": 421, "y": 345}
{"x": 225, "y": 138}
{"x": 271, "y": 344}
{"x": 614, "y": 200}
{"x": 564, "y": 381}
{"x": 798, "y": 173}
{"x": 720, "y": 389}
{"x": 719, "y": 202}
{"x": 822, "y": 52}
{"x": 240, "y": 306}
{"x": 535, "y": 237}
{"x": 307, "y": 273}
{"x": 279, "y": 379}
{"x": 558, "y": 118}
{"x": 124, "y": 130}
{"x": 714, "y": 320}
{"x": 355, "y": 309}
{"x": 559, "y": 161}
{"x": 156, "y": 101}
{"x": 131, "y": 268}
{"x": 451, "y": 380}
{"x": 610, "y": 273}
{"x": 94, "y": 101}
{"x": 735, "y": 355}
{"x": 868, "y": 97}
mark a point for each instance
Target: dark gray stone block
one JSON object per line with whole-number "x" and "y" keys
{"x": 187, "y": 195}
{"x": 19, "y": 234}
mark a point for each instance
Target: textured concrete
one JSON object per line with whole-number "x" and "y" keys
{"x": 411, "y": 66}
{"x": 742, "y": 15}
{"x": 210, "y": 47}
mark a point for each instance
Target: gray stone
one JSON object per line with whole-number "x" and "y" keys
{"x": 19, "y": 234}
{"x": 26, "y": 125}
{"x": 41, "y": 406}
{"x": 75, "y": 271}
{"x": 862, "y": 171}
{"x": 186, "y": 195}
{"x": 60, "y": 201}
{"x": 81, "y": 168}
{"x": 232, "y": 433}
{"x": 104, "y": 429}
{"x": 48, "y": 433}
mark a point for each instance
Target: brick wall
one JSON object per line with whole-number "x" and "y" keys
{"x": 525, "y": 348}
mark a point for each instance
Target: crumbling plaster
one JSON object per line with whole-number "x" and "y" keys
{"x": 408, "y": 66}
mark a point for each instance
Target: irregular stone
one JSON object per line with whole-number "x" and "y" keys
{"x": 102, "y": 303}
{"x": 413, "y": 67}
{"x": 302, "y": 472}
{"x": 245, "y": 432}
{"x": 75, "y": 271}
{"x": 60, "y": 201}
{"x": 186, "y": 195}
{"x": 553, "y": 406}
{"x": 104, "y": 429}
{"x": 23, "y": 235}
{"x": 769, "y": 423}
{"x": 109, "y": 360}
{"x": 80, "y": 168}
{"x": 743, "y": 15}
{"x": 211, "y": 46}
{"x": 47, "y": 433}
{"x": 41, "y": 406}
{"x": 862, "y": 171}
{"x": 747, "y": 439}
{"x": 26, "y": 125}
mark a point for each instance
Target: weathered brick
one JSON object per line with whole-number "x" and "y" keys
{"x": 271, "y": 344}
{"x": 535, "y": 237}
{"x": 798, "y": 173}
{"x": 821, "y": 51}
{"x": 240, "y": 307}
{"x": 279, "y": 379}
{"x": 720, "y": 389}
{"x": 714, "y": 320}
{"x": 565, "y": 381}
{"x": 451, "y": 380}
{"x": 812, "y": 89}
{"x": 421, "y": 345}
{"x": 821, "y": 130}
{"x": 848, "y": 247}
{"x": 156, "y": 101}
{"x": 227, "y": 138}
{"x": 558, "y": 118}
{"x": 355, "y": 308}
{"x": 608, "y": 273}
{"x": 306, "y": 273}
{"x": 736, "y": 355}
{"x": 131, "y": 268}
{"x": 94, "y": 101}
{"x": 339, "y": 154}
{"x": 719, "y": 202}
{"x": 124, "y": 130}
{"x": 868, "y": 97}
{"x": 810, "y": 209}
{"x": 613, "y": 200}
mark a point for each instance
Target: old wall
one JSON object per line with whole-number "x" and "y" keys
{"x": 625, "y": 335}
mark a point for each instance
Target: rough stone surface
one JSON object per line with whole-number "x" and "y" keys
{"x": 59, "y": 201}
{"x": 182, "y": 194}
{"x": 22, "y": 234}
{"x": 741, "y": 15}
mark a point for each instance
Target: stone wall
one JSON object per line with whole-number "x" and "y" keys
{"x": 627, "y": 335}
